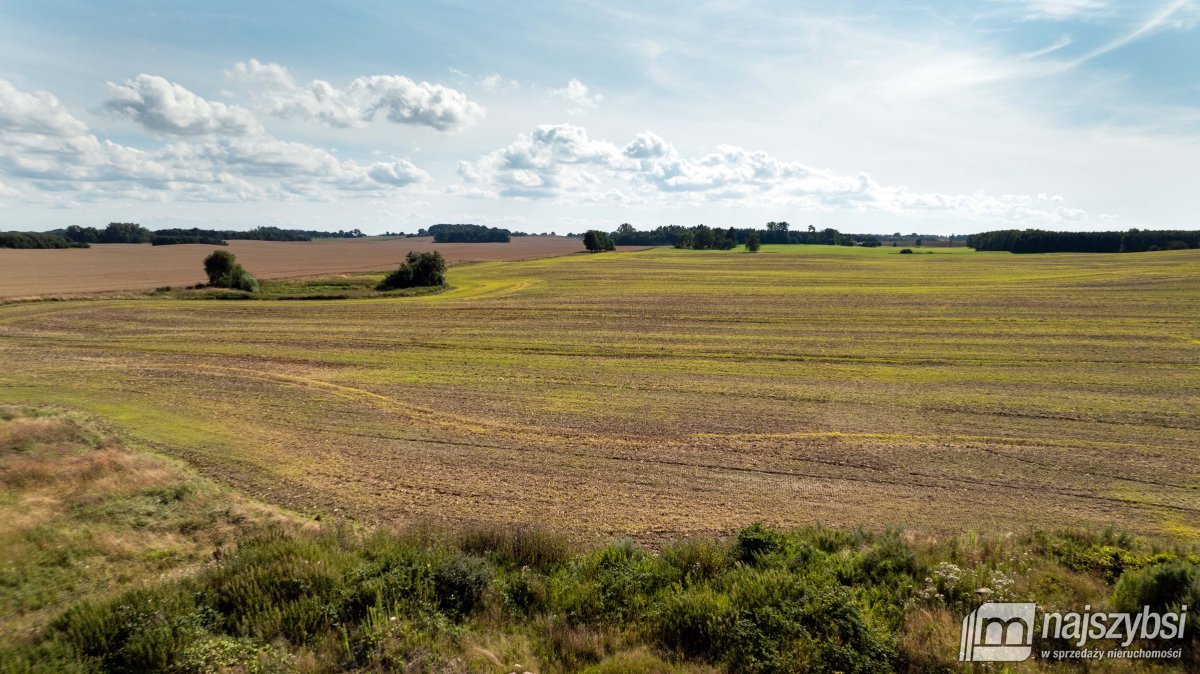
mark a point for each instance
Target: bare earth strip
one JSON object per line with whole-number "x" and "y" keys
{"x": 114, "y": 267}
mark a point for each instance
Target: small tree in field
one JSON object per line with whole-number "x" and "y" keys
{"x": 419, "y": 269}
{"x": 752, "y": 244}
{"x": 224, "y": 272}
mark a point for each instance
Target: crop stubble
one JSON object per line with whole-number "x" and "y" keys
{"x": 664, "y": 392}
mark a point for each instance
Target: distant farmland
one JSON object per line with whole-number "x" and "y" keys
{"x": 113, "y": 267}
{"x": 662, "y": 391}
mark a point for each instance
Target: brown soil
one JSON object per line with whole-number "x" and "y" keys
{"x": 114, "y": 267}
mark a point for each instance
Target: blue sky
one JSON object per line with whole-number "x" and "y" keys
{"x": 945, "y": 117}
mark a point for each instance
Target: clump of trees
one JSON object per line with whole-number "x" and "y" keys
{"x": 418, "y": 270}
{"x": 224, "y": 271}
{"x": 1040, "y": 241}
{"x": 124, "y": 232}
{"x": 468, "y": 234}
{"x": 752, "y": 243}
{"x": 596, "y": 241}
{"x": 36, "y": 240}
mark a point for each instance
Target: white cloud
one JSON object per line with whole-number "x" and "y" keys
{"x": 168, "y": 108}
{"x": 491, "y": 82}
{"x": 561, "y": 162}
{"x": 577, "y": 93}
{"x": 35, "y": 112}
{"x": 399, "y": 173}
{"x": 40, "y": 147}
{"x": 399, "y": 99}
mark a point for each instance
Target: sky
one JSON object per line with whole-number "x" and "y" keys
{"x": 935, "y": 117}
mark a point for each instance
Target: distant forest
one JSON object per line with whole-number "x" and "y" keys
{"x": 1039, "y": 241}
{"x": 702, "y": 237}
{"x": 467, "y": 234}
{"x": 35, "y": 240}
{"x": 130, "y": 232}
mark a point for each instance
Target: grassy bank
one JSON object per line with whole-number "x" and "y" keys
{"x": 118, "y": 560}
{"x": 327, "y": 287}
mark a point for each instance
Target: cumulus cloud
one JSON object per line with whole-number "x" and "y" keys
{"x": 44, "y": 148}
{"x": 399, "y": 99}
{"x": 577, "y": 93}
{"x": 562, "y": 162}
{"x": 164, "y": 107}
{"x": 35, "y": 112}
{"x": 542, "y": 164}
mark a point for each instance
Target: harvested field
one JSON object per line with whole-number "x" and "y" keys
{"x": 662, "y": 391}
{"x": 113, "y": 267}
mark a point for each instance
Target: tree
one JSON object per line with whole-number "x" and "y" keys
{"x": 918, "y": 242}
{"x": 418, "y": 270}
{"x": 224, "y": 271}
{"x": 124, "y": 232}
{"x": 82, "y": 234}
{"x": 752, "y": 244}
{"x": 596, "y": 241}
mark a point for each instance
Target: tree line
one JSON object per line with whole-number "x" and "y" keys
{"x": 466, "y": 233}
{"x": 131, "y": 232}
{"x": 36, "y": 240}
{"x": 1040, "y": 241}
{"x": 703, "y": 237}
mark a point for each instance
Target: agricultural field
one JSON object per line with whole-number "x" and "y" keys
{"x": 661, "y": 393}
{"x": 116, "y": 267}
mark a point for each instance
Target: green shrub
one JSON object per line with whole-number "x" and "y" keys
{"x": 694, "y": 623}
{"x": 460, "y": 582}
{"x": 756, "y": 542}
{"x": 1160, "y": 587}
{"x": 224, "y": 272}
{"x": 596, "y": 241}
{"x": 418, "y": 270}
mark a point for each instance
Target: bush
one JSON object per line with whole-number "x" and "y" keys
{"x": 906, "y": 251}
{"x": 460, "y": 582}
{"x": 752, "y": 242}
{"x": 596, "y": 241}
{"x": 224, "y": 272}
{"x": 1159, "y": 587}
{"x": 756, "y": 542}
{"x": 418, "y": 270}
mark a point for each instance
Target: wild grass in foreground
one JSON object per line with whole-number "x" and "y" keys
{"x": 340, "y": 598}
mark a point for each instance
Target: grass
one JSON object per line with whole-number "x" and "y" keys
{"x": 669, "y": 392}
{"x": 121, "y": 560}
{"x": 85, "y": 515}
{"x": 325, "y": 287}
